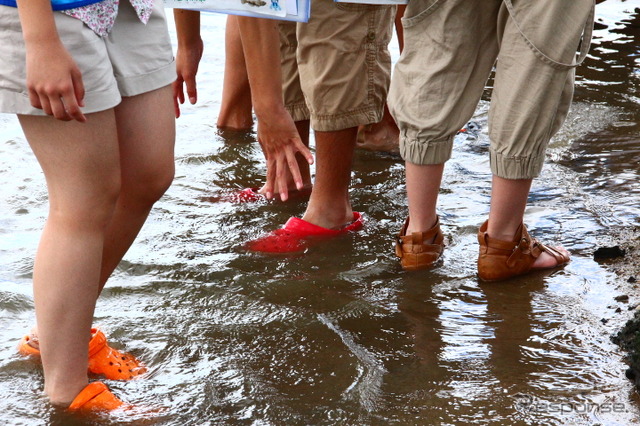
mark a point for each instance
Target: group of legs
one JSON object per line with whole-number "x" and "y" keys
{"x": 437, "y": 84}
{"x": 435, "y": 89}
{"x": 104, "y": 175}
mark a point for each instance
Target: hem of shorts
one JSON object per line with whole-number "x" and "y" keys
{"x": 18, "y": 103}
{"x": 513, "y": 168}
{"x": 346, "y": 120}
{"x": 422, "y": 152}
{"x": 139, "y": 84}
{"x": 298, "y": 112}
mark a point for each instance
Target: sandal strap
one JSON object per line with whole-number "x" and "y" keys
{"x": 500, "y": 259}
{"x": 557, "y": 254}
{"x": 414, "y": 252}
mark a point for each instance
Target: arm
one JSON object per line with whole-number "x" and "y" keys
{"x": 188, "y": 55}
{"x": 54, "y": 82}
{"x": 276, "y": 130}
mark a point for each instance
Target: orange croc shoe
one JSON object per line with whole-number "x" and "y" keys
{"x": 25, "y": 349}
{"x": 96, "y": 396}
{"x": 103, "y": 359}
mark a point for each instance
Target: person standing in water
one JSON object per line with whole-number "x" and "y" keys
{"x": 90, "y": 82}
{"x": 451, "y": 48}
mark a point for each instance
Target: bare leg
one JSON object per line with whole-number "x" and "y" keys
{"x": 236, "y": 107}
{"x": 81, "y": 167}
{"x": 146, "y": 135}
{"x": 508, "y": 202}
{"x": 423, "y": 185}
{"x": 329, "y": 205}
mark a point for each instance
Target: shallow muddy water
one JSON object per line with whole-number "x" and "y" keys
{"x": 341, "y": 335}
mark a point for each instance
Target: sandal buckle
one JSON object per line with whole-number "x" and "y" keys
{"x": 524, "y": 246}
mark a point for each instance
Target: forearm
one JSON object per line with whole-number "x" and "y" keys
{"x": 261, "y": 46}
{"x": 38, "y": 25}
{"x": 187, "y": 26}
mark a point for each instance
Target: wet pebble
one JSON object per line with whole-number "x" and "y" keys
{"x": 623, "y": 298}
{"x": 608, "y": 253}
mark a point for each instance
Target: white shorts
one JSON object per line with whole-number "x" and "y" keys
{"x": 133, "y": 59}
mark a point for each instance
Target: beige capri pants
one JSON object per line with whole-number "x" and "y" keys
{"x": 133, "y": 59}
{"x": 336, "y": 68}
{"x": 451, "y": 47}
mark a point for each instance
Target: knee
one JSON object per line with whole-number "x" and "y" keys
{"x": 89, "y": 208}
{"x": 150, "y": 184}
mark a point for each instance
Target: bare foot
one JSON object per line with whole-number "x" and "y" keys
{"x": 381, "y": 136}
{"x": 546, "y": 261}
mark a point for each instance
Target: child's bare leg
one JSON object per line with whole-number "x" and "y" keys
{"x": 81, "y": 166}
{"x": 236, "y": 109}
{"x": 508, "y": 203}
{"x": 329, "y": 205}
{"x": 146, "y": 135}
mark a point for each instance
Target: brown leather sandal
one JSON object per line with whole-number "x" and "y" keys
{"x": 414, "y": 254}
{"x": 499, "y": 260}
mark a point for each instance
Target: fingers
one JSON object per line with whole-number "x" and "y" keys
{"x": 62, "y": 104}
{"x": 271, "y": 174}
{"x": 73, "y": 100}
{"x": 281, "y": 178}
{"x": 292, "y": 165}
{"x": 304, "y": 150}
{"x": 178, "y": 97}
{"x": 192, "y": 90}
{"x": 78, "y": 87}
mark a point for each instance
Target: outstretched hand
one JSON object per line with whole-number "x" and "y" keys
{"x": 54, "y": 81}
{"x": 187, "y": 62}
{"x": 281, "y": 144}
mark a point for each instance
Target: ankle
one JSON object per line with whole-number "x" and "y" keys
{"x": 423, "y": 225}
{"x": 328, "y": 218}
{"x": 503, "y": 231}
{"x": 62, "y": 394}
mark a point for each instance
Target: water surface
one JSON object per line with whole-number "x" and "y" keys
{"x": 341, "y": 335}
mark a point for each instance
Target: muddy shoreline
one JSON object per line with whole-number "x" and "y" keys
{"x": 621, "y": 254}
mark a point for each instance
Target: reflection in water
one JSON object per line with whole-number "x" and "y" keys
{"x": 340, "y": 335}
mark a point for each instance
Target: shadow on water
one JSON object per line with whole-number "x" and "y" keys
{"x": 340, "y": 334}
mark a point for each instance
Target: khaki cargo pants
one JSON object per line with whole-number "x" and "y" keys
{"x": 451, "y": 48}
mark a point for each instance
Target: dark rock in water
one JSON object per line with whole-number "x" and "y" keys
{"x": 600, "y": 26}
{"x": 631, "y": 280}
{"x": 623, "y": 298}
{"x": 608, "y": 253}
{"x": 629, "y": 340}
{"x": 631, "y": 375}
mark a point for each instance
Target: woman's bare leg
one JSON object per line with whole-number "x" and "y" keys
{"x": 146, "y": 135}
{"x": 81, "y": 166}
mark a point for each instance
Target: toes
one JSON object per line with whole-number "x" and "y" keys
{"x": 546, "y": 260}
